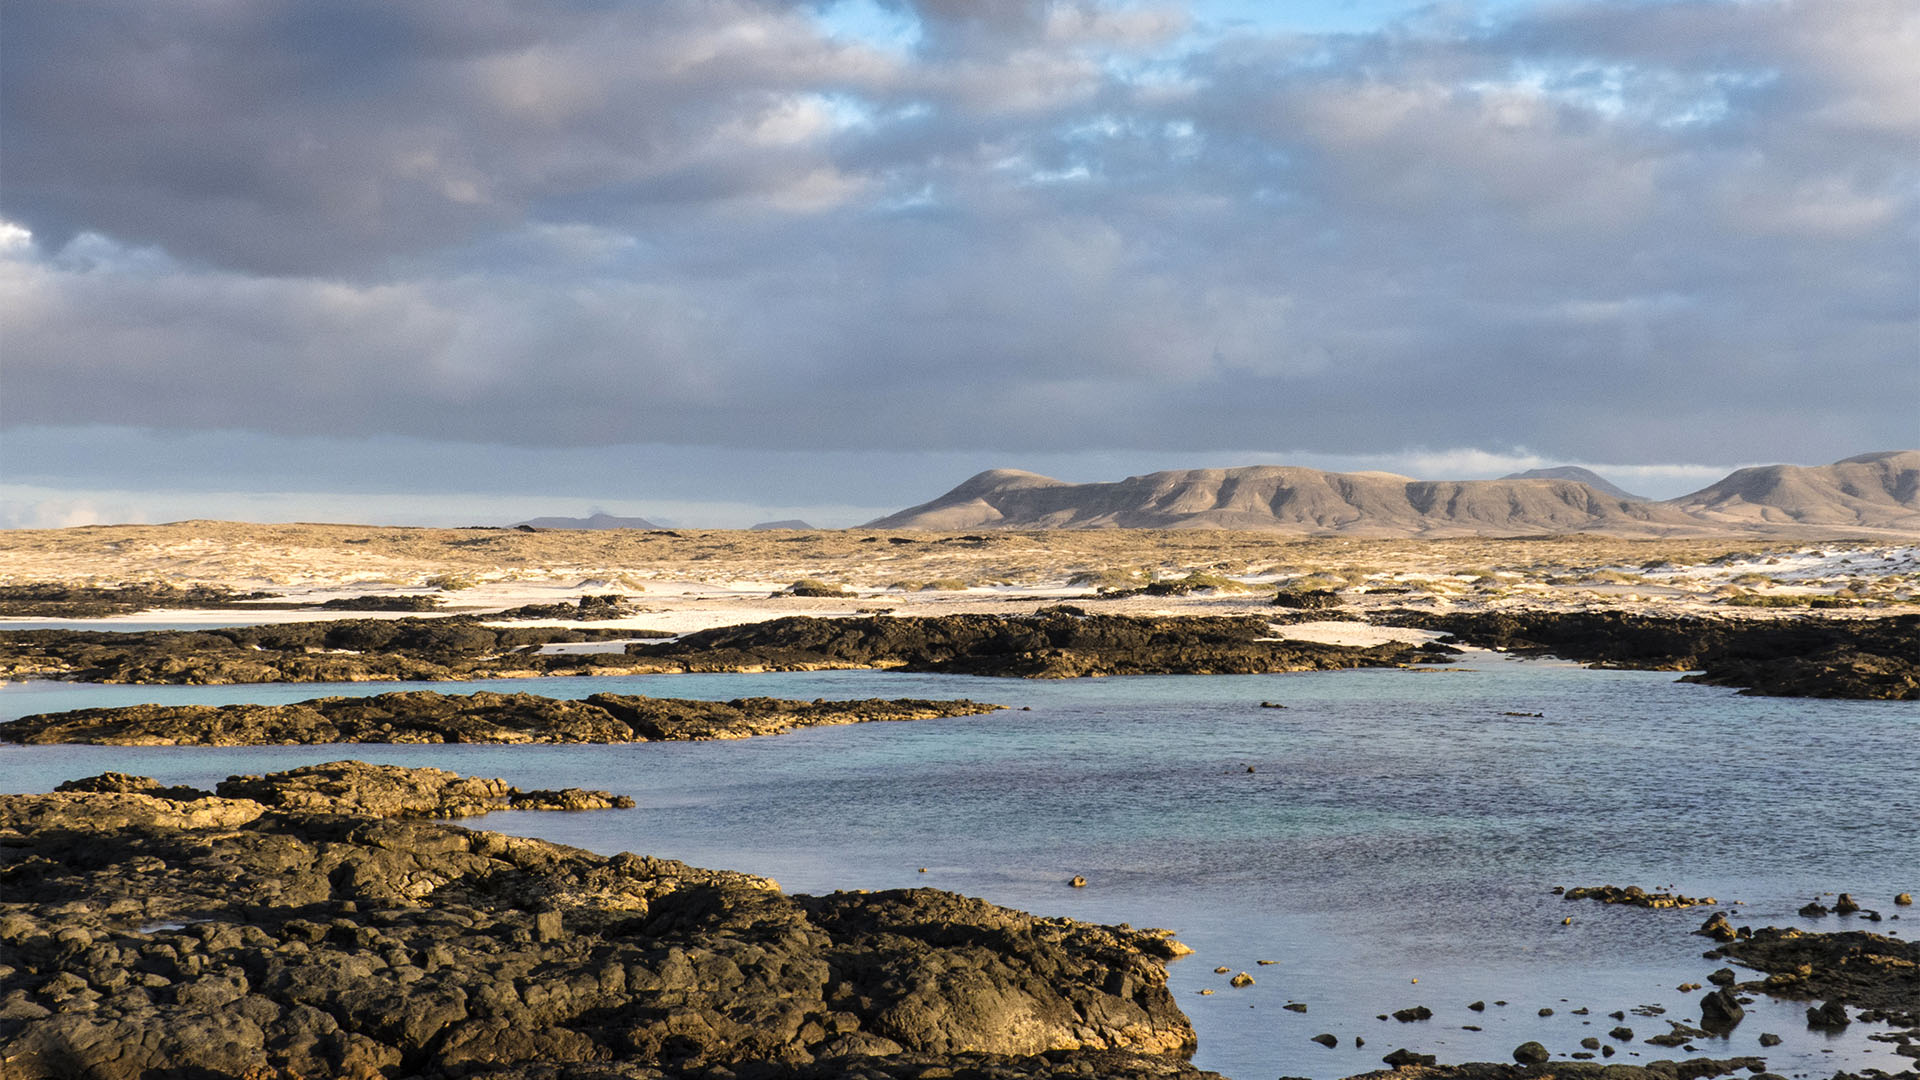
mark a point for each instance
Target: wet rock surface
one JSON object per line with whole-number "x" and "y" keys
{"x": 251, "y": 941}
{"x": 1690, "y": 1069}
{"x": 1788, "y": 657}
{"x": 423, "y": 716}
{"x": 1635, "y": 896}
{"x": 345, "y": 650}
{"x": 1048, "y": 645}
{"x": 1868, "y": 971}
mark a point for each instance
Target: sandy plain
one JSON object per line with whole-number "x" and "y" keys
{"x": 684, "y": 580}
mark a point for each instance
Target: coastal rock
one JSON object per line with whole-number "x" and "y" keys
{"x": 1720, "y": 1011}
{"x": 1635, "y": 896}
{"x": 1404, "y": 1058}
{"x": 321, "y": 944}
{"x": 1791, "y": 656}
{"x": 422, "y": 716}
{"x": 1530, "y": 1053}
{"x": 54, "y": 600}
{"x": 1051, "y": 644}
{"x": 124, "y": 784}
{"x": 345, "y": 650}
{"x": 1864, "y": 969}
{"x": 391, "y": 791}
{"x": 1690, "y": 1069}
{"x": 1831, "y": 1016}
{"x": 1418, "y": 1012}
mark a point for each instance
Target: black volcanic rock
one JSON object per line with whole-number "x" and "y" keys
{"x": 345, "y": 650}
{"x": 220, "y": 939}
{"x": 1866, "y": 970}
{"x": 50, "y": 600}
{"x": 1789, "y": 657}
{"x": 422, "y": 716}
{"x": 1051, "y": 644}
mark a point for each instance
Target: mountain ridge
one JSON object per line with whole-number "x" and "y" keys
{"x": 1878, "y": 491}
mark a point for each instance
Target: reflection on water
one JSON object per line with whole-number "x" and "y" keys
{"x": 1385, "y": 827}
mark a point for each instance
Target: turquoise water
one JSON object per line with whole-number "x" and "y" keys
{"x": 1396, "y": 826}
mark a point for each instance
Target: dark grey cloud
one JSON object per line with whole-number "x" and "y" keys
{"x": 1673, "y": 232}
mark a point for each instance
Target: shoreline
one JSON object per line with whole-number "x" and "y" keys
{"x": 205, "y": 921}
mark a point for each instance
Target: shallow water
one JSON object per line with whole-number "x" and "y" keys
{"x": 1395, "y": 826}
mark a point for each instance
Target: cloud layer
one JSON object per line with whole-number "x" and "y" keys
{"x": 1678, "y": 231}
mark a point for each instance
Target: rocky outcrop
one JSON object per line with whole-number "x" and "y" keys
{"x": 393, "y": 791}
{"x": 1635, "y": 896}
{"x": 586, "y": 609}
{"x": 356, "y": 787}
{"x": 54, "y": 600}
{"x": 1052, "y": 644}
{"x": 1690, "y": 1069}
{"x": 1788, "y": 657}
{"x": 1865, "y": 970}
{"x": 308, "y": 944}
{"x": 346, "y": 650}
{"x": 422, "y": 716}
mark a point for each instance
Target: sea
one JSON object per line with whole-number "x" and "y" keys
{"x": 1386, "y": 839}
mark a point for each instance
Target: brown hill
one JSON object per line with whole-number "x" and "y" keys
{"x": 1879, "y": 491}
{"x": 1292, "y": 500}
{"x": 1874, "y": 491}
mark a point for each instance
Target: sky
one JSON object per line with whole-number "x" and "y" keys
{"x": 715, "y": 262}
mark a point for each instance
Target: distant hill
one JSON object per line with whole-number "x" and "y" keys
{"x": 1875, "y": 491}
{"x": 597, "y": 521}
{"x": 1289, "y": 499}
{"x": 1577, "y": 474}
{"x": 1879, "y": 490}
{"x": 790, "y": 523}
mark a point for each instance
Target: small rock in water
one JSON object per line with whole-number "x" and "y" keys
{"x": 1530, "y": 1053}
{"x": 1768, "y": 1038}
{"x": 1590, "y": 1043}
{"x": 1221, "y": 970}
{"x": 1242, "y": 979}
{"x": 1722, "y": 977}
{"x": 1077, "y": 882}
{"x": 1478, "y": 1006}
{"x": 1814, "y": 909}
{"x": 1829, "y": 1017}
{"x": 1546, "y": 1012}
{"x": 1266, "y": 963}
{"x": 1408, "y": 1016}
{"x": 1403, "y": 1057}
{"x": 1295, "y": 1006}
{"x": 1606, "y": 1051}
{"x": 1624, "y": 1034}
{"x": 1905, "y": 899}
{"x": 1720, "y": 1011}
{"x": 1327, "y": 1039}
{"x": 1845, "y": 905}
